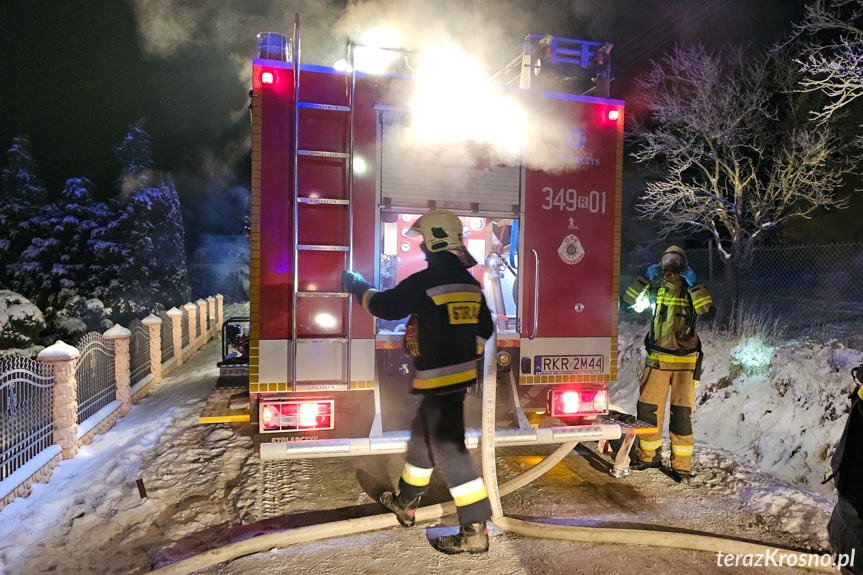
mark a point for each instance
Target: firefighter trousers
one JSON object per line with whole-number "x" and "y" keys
{"x": 651, "y": 409}
{"x": 437, "y": 443}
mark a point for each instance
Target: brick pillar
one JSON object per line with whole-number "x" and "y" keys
{"x": 177, "y": 333}
{"x": 192, "y": 310}
{"x": 154, "y": 326}
{"x": 220, "y": 310}
{"x": 64, "y": 358}
{"x": 122, "y": 374}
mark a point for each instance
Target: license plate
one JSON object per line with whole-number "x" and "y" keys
{"x": 564, "y": 364}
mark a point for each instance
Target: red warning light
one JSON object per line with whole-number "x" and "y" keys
{"x": 267, "y": 78}
{"x": 613, "y": 115}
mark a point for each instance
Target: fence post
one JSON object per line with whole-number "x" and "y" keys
{"x": 177, "y": 333}
{"x": 220, "y": 310}
{"x": 64, "y": 357}
{"x": 154, "y": 326}
{"x": 202, "y": 318}
{"x": 122, "y": 376}
{"x": 192, "y": 310}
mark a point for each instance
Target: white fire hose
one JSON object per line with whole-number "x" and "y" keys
{"x": 311, "y": 533}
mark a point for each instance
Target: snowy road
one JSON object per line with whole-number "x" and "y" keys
{"x": 205, "y": 487}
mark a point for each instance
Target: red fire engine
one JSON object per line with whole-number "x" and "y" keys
{"x": 337, "y": 179}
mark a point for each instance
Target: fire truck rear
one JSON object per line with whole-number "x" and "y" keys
{"x": 343, "y": 164}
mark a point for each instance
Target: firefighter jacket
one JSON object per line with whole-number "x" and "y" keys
{"x": 453, "y": 321}
{"x": 672, "y": 343}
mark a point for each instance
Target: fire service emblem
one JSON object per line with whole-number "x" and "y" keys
{"x": 570, "y": 250}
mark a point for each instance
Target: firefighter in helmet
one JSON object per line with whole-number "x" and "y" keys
{"x": 452, "y": 322}
{"x": 675, "y": 302}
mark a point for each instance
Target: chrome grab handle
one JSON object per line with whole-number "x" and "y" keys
{"x": 535, "y": 295}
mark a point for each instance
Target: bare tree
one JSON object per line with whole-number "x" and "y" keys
{"x": 833, "y": 60}
{"x": 733, "y": 151}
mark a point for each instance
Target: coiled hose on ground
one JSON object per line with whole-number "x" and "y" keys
{"x": 598, "y": 534}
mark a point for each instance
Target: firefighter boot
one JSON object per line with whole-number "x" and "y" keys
{"x": 472, "y": 538}
{"x": 404, "y": 511}
{"x": 681, "y": 475}
{"x": 639, "y": 465}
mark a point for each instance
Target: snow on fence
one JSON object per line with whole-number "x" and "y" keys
{"x": 50, "y": 407}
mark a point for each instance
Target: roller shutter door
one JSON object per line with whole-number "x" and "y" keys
{"x": 455, "y": 176}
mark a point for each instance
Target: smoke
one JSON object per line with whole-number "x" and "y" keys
{"x": 489, "y": 31}
{"x": 229, "y": 27}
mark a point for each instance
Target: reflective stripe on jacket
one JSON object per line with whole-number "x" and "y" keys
{"x": 672, "y": 342}
{"x": 453, "y": 320}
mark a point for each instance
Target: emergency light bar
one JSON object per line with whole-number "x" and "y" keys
{"x": 281, "y": 416}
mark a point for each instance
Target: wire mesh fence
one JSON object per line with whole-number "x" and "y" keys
{"x": 802, "y": 285}
{"x": 26, "y": 411}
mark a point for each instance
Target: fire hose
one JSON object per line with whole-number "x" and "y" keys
{"x": 598, "y": 534}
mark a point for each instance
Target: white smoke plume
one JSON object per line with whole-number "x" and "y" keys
{"x": 489, "y": 31}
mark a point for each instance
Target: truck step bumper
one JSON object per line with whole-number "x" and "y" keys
{"x": 397, "y": 441}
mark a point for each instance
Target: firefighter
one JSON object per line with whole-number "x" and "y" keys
{"x": 452, "y": 322}
{"x": 845, "y": 529}
{"x": 675, "y": 301}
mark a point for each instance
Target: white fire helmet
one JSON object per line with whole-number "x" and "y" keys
{"x": 441, "y": 230}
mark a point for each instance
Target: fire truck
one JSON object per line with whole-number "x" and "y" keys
{"x": 338, "y": 177}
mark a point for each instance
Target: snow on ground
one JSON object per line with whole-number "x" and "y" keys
{"x": 204, "y": 485}
{"x": 786, "y": 417}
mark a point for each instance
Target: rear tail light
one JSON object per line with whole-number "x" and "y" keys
{"x": 296, "y": 415}
{"x": 572, "y": 402}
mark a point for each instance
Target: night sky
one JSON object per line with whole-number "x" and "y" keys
{"x": 74, "y": 75}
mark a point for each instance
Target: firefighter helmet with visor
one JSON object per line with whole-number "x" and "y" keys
{"x": 675, "y": 258}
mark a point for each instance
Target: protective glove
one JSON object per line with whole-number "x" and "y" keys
{"x": 354, "y": 283}
{"x": 411, "y": 341}
{"x": 688, "y": 276}
{"x": 653, "y": 271}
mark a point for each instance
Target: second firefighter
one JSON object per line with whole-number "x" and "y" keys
{"x": 675, "y": 302}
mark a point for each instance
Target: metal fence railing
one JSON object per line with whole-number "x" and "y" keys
{"x": 167, "y": 336}
{"x": 185, "y": 327}
{"x": 97, "y": 385}
{"x": 797, "y": 283}
{"x": 26, "y": 411}
{"x": 28, "y": 418}
{"x": 139, "y": 351}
